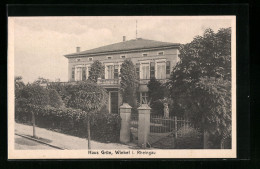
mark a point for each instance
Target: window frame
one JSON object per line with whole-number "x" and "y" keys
{"x": 160, "y": 52}
{"x": 90, "y": 58}
{"x": 109, "y": 57}
{"x": 144, "y": 54}
{"x": 123, "y": 55}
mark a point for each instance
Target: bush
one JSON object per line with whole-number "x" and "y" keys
{"x": 55, "y": 99}
{"x": 189, "y": 138}
{"x": 105, "y": 127}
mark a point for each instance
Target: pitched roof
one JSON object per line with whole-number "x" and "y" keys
{"x": 133, "y": 44}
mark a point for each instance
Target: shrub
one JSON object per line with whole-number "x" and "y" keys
{"x": 105, "y": 127}
{"x": 188, "y": 138}
{"x": 55, "y": 99}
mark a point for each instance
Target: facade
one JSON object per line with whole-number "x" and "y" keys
{"x": 151, "y": 58}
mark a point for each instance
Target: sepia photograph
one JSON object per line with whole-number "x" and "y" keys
{"x": 101, "y": 87}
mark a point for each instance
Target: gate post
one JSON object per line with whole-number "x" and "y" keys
{"x": 143, "y": 124}
{"x": 125, "y": 114}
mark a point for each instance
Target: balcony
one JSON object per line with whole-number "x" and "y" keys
{"x": 113, "y": 83}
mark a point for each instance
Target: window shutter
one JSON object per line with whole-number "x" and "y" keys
{"x": 137, "y": 69}
{"x": 152, "y": 70}
{"x": 83, "y": 73}
{"x": 116, "y": 72}
{"x": 73, "y": 74}
{"x": 168, "y": 69}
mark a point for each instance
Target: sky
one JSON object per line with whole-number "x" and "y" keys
{"x": 40, "y": 43}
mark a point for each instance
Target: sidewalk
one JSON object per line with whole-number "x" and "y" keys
{"x": 65, "y": 141}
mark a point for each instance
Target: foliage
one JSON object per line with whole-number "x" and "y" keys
{"x": 128, "y": 83}
{"x": 189, "y": 138}
{"x": 41, "y": 80}
{"x": 86, "y": 96}
{"x": 156, "y": 91}
{"x": 55, "y": 99}
{"x": 34, "y": 95}
{"x": 18, "y": 82}
{"x": 200, "y": 83}
{"x": 104, "y": 126}
{"x": 97, "y": 70}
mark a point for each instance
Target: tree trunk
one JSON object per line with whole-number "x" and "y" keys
{"x": 205, "y": 140}
{"x": 33, "y": 122}
{"x": 89, "y": 145}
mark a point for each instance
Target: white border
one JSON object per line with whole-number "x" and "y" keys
{"x": 83, "y": 154}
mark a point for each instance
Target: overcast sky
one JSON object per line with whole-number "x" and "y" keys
{"x": 40, "y": 43}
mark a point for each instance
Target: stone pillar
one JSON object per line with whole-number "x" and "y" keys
{"x": 143, "y": 125}
{"x": 125, "y": 114}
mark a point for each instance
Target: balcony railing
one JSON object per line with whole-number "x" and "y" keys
{"x": 108, "y": 82}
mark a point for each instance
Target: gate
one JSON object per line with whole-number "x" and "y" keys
{"x": 134, "y": 127}
{"x": 165, "y": 128}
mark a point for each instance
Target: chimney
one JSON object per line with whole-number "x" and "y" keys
{"x": 78, "y": 49}
{"x": 123, "y": 38}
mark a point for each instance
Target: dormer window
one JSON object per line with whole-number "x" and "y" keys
{"x": 145, "y": 54}
{"x": 160, "y": 53}
{"x": 109, "y": 57}
{"x": 77, "y": 60}
{"x": 90, "y": 59}
{"x": 122, "y": 56}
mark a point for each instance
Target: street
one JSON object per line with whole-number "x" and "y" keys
{"x": 22, "y": 143}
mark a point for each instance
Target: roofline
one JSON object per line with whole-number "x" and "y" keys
{"x": 121, "y": 51}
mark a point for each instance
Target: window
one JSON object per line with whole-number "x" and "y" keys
{"x": 160, "y": 53}
{"x": 144, "y": 97}
{"x": 123, "y": 56}
{"x": 109, "y": 57}
{"x": 161, "y": 70}
{"x": 145, "y": 54}
{"x": 77, "y": 60}
{"x": 145, "y": 71}
{"x": 78, "y": 72}
{"x": 90, "y": 59}
{"x": 110, "y": 72}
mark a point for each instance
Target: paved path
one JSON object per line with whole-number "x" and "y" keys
{"x": 65, "y": 141}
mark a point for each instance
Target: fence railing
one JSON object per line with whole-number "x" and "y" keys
{"x": 159, "y": 124}
{"x": 134, "y": 122}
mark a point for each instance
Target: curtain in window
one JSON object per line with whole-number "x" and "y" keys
{"x": 145, "y": 71}
{"x": 161, "y": 70}
{"x": 110, "y": 72}
{"x": 78, "y": 74}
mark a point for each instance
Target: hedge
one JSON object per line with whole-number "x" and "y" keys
{"x": 189, "y": 138}
{"x": 105, "y": 127}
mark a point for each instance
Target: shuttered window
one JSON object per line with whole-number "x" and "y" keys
{"x": 168, "y": 69}
{"x": 73, "y": 74}
{"x": 137, "y": 70}
{"x": 116, "y": 72}
{"x": 152, "y": 70}
{"x": 83, "y": 73}
{"x": 161, "y": 70}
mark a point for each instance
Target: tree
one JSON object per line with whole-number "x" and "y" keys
{"x": 155, "y": 93}
{"x": 55, "y": 99}
{"x": 97, "y": 70}
{"x": 34, "y": 96}
{"x": 18, "y": 82}
{"x": 88, "y": 97}
{"x": 128, "y": 83}
{"x": 201, "y": 80}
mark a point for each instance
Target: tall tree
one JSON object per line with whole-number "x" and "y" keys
{"x": 200, "y": 82}
{"x": 128, "y": 83}
{"x": 97, "y": 70}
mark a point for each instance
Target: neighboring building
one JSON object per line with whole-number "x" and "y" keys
{"x": 152, "y": 59}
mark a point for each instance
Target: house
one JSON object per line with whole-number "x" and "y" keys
{"x": 152, "y": 59}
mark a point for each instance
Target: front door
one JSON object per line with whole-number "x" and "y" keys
{"x": 114, "y": 102}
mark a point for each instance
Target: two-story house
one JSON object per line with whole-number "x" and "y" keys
{"x": 151, "y": 58}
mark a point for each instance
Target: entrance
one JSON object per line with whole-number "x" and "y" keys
{"x": 114, "y": 102}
